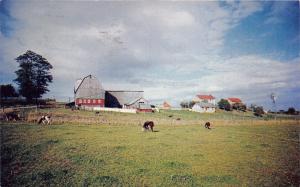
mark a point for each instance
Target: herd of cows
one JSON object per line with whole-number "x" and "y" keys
{"x": 46, "y": 120}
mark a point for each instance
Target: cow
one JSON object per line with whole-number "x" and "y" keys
{"x": 45, "y": 120}
{"x": 148, "y": 125}
{"x": 12, "y": 116}
{"x": 207, "y": 125}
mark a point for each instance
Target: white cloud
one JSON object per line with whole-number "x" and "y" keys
{"x": 168, "y": 17}
{"x": 169, "y": 50}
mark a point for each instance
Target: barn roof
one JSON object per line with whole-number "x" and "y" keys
{"x": 135, "y": 100}
{"x": 79, "y": 83}
{"x": 124, "y": 91}
{"x": 118, "y": 98}
{"x": 208, "y": 97}
{"x": 235, "y": 100}
{"x": 88, "y": 87}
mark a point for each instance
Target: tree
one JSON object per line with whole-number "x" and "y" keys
{"x": 252, "y": 107}
{"x": 7, "y": 90}
{"x": 239, "y": 106}
{"x": 259, "y": 111}
{"x": 291, "y": 111}
{"x": 184, "y": 104}
{"x": 191, "y": 104}
{"x": 33, "y": 75}
{"x": 224, "y": 104}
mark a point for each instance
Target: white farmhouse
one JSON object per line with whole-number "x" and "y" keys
{"x": 203, "y": 107}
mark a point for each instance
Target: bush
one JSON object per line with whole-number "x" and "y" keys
{"x": 259, "y": 111}
{"x": 224, "y": 104}
{"x": 291, "y": 111}
{"x": 239, "y": 106}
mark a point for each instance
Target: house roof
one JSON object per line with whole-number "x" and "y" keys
{"x": 165, "y": 104}
{"x": 234, "y": 100}
{"x": 207, "y": 97}
{"x": 203, "y": 104}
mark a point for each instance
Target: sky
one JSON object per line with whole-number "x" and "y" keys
{"x": 171, "y": 50}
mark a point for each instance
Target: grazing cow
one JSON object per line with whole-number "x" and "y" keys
{"x": 148, "y": 125}
{"x": 12, "y": 116}
{"x": 207, "y": 125}
{"x": 45, "y": 120}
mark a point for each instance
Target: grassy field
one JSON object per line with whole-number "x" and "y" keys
{"x": 259, "y": 153}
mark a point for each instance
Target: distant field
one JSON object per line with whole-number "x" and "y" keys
{"x": 251, "y": 153}
{"x": 164, "y": 117}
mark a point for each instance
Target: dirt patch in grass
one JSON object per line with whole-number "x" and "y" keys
{"x": 183, "y": 180}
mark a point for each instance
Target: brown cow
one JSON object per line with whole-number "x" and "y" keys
{"x": 207, "y": 125}
{"x": 148, "y": 125}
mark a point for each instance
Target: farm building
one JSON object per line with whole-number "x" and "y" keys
{"x": 127, "y": 99}
{"x": 166, "y": 105}
{"x": 205, "y": 99}
{"x": 203, "y": 107}
{"x": 233, "y": 100}
{"x": 141, "y": 104}
{"x": 89, "y": 92}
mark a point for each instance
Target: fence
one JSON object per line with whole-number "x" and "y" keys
{"x": 20, "y": 113}
{"x": 122, "y": 110}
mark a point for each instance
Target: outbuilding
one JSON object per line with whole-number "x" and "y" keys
{"x": 121, "y": 98}
{"x": 203, "y": 107}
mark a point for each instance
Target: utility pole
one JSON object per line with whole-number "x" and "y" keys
{"x": 273, "y": 98}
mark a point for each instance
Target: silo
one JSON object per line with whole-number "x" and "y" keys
{"x": 88, "y": 91}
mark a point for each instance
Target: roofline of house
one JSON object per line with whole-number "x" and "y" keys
{"x": 234, "y": 98}
{"x": 199, "y": 95}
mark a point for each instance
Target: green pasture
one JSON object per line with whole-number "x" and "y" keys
{"x": 174, "y": 155}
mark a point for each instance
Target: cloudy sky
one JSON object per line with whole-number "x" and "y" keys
{"x": 171, "y": 50}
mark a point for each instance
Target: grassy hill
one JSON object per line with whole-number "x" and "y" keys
{"x": 110, "y": 149}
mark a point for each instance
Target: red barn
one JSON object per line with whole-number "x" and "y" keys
{"x": 89, "y": 92}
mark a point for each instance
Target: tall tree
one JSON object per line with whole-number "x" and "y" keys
{"x": 184, "y": 104}
{"x": 33, "y": 75}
